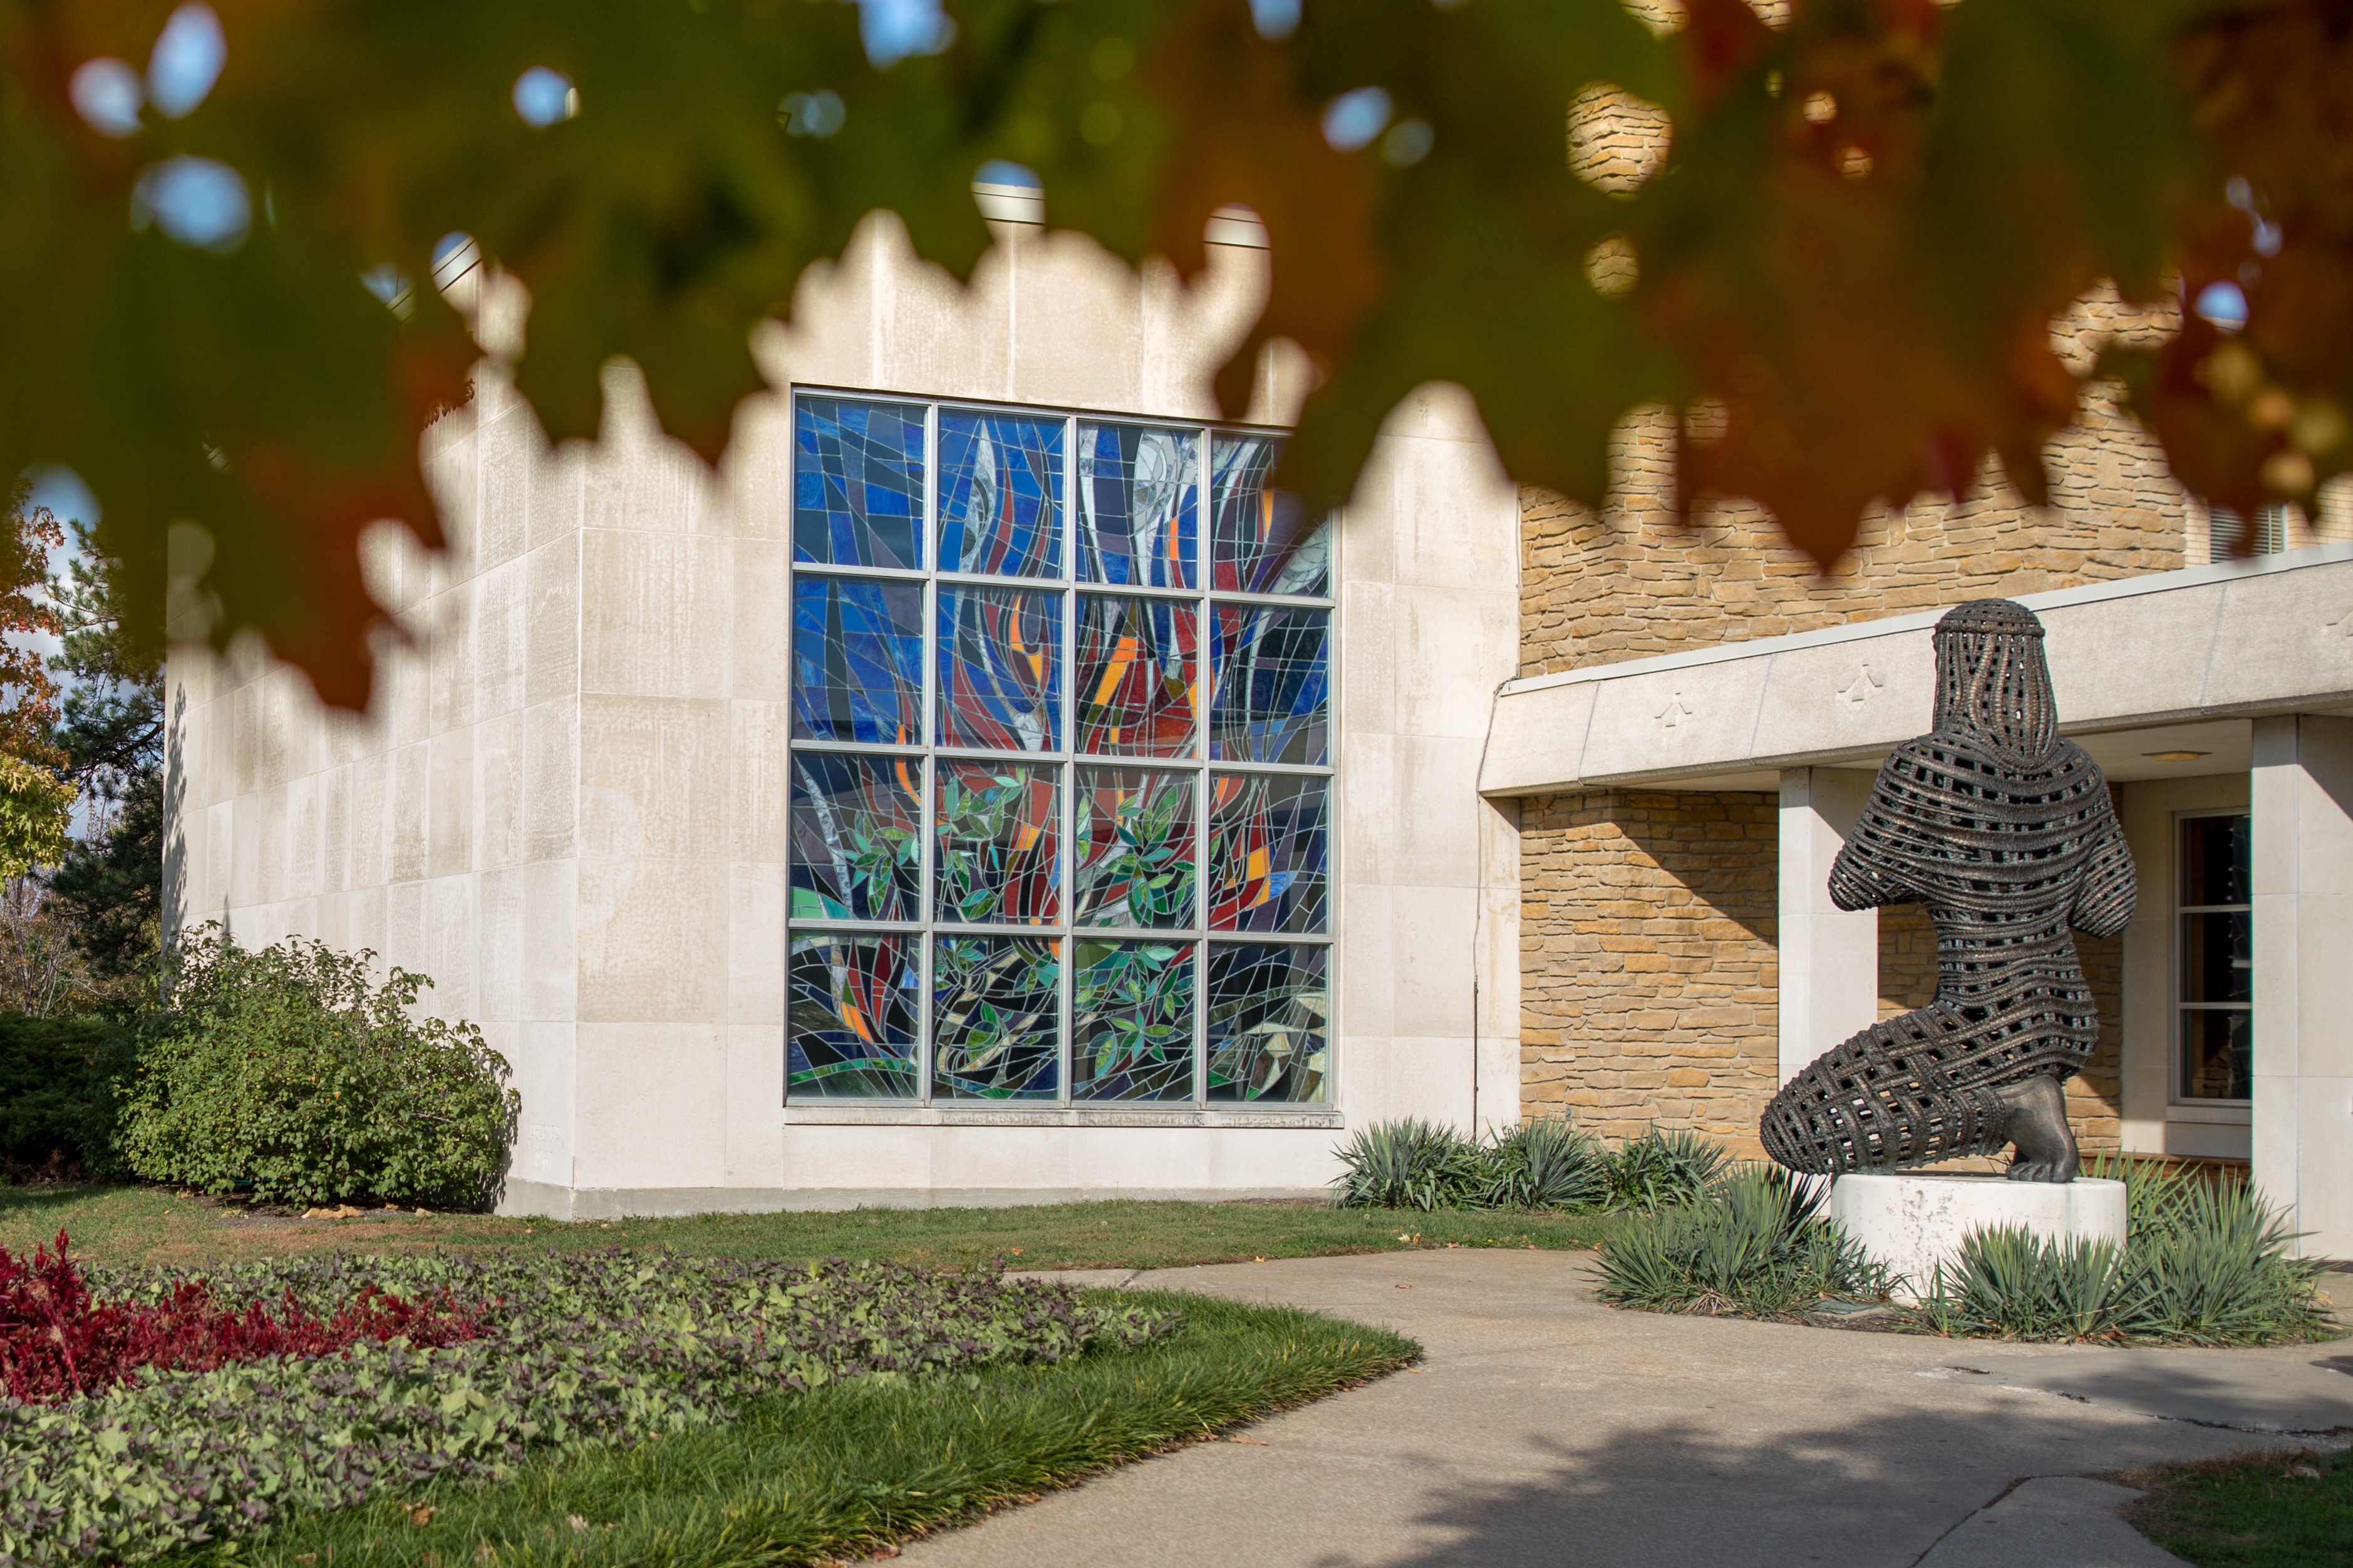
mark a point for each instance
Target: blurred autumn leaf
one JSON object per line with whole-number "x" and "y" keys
{"x": 217, "y": 302}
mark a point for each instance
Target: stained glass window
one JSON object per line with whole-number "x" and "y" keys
{"x": 1000, "y": 494}
{"x": 1269, "y": 851}
{"x": 1139, "y": 505}
{"x": 858, "y": 836}
{"x": 1131, "y": 1021}
{"x": 858, "y": 483}
{"x": 1135, "y": 675}
{"x": 998, "y": 859}
{"x": 1263, "y": 542}
{"x": 853, "y": 1002}
{"x": 1061, "y": 791}
{"x": 1268, "y": 1035}
{"x": 858, "y": 660}
{"x": 997, "y": 1018}
{"x": 1134, "y": 847}
{"x": 1271, "y": 668}
{"x": 1001, "y": 668}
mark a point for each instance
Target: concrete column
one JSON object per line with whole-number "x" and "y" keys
{"x": 2301, "y": 793}
{"x": 1829, "y": 958}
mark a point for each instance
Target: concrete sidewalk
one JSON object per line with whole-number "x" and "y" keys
{"x": 1546, "y": 1428}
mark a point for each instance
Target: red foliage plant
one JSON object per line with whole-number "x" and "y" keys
{"x": 57, "y": 1340}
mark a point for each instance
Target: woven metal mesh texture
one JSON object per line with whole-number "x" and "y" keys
{"x": 2007, "y": 835}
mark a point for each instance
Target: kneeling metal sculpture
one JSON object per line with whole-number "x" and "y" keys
{"x": 2006, "y": 833}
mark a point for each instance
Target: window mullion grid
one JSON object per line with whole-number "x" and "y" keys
{"x": 926, "y": 1047}
{"x": 1205, "y": 628}
{"x": 1069, "y": 910}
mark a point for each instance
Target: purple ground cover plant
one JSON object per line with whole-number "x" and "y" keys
{"x": 575, "y": 1349}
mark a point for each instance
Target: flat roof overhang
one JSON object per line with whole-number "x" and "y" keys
{"x": 2172, "y": 662}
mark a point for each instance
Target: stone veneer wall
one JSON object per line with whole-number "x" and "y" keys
{"x": 1648, "y": 970}
{"x": 1648, "y": 926}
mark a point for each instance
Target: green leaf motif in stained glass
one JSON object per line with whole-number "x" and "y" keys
{"x": 1133, "y": 1021}
{"x": 1134, "y": 847}
{"x": 997, "y": 1018}
{"x": 998, "y": 843}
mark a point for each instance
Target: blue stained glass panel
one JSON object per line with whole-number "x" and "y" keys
{"x": 857, "y": 837}
{"x": 1262, "y": 541}
{"x": 1136, "y": 696}
{"x": 1131, "y": 1021}
{"x": 1134, "y": 848}
{"x": 858, "y": 660}
{"x": 852, "y": 1007}
{"x": 1270, "y": 670}
{"x": 1139, "y": 506}
{"x": 999, "y": 826}
{"x": 1269, "y": 1039}
{"x": 1000, "y": 667}
{"x": 858, "y": 483}
{"x": 1000, "y": 494}
{"x": 997, "y": 1018}
{"x": 1270, "y": 852}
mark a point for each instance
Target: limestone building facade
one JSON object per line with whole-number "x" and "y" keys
{"x": 983, "y": 788}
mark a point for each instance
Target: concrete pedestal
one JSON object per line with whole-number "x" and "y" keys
{"x": 1912, "y": 1222}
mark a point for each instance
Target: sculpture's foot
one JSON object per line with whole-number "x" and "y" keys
{"x": 2044, "y": 1145}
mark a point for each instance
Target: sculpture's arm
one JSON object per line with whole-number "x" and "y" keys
{"x": 2105, "y": 897}
{"x": 1862, "y": 876}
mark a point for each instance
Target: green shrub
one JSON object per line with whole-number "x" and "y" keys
{"x": 1754, "y": 1246}
{"x": 1545, "y": 1163}
{"x": 2205, "y": 1262}
{"x": 285, "y": 1074}
{"x": 1542, "y": 1164}
{"x": 1660, "y": 1169}
{"x": 1410, "y": 1164}
{"x": 59, "y": 1079}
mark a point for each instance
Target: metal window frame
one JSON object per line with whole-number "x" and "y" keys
{"x": 2178, "y": 1051}
{"x": 1067, "y": 933}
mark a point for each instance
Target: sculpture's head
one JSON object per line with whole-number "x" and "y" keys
{"x": 1992, "y": 682}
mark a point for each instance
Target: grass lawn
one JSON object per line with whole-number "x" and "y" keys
{"x": 854, "y": 1467}
{"x": 149, "y": 1224}
{"x": 2275, "y": 1510}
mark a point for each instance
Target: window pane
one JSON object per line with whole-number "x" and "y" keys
{"x": 1135, "y": 692}
{"x": 2218, "y": 958}
{"x": 1268, "y": 852}
{"x": 1132, "y": 1022}
{"x": 1263, "y": 542}
{"x": 1139, "y": 505}
{"x": 858, "y": 660}
{"x": 1001, "y": 668}
{"x": 1000, "y": 495}
{"x": 858, "y": 846}
{"x": 1267, "y": 1030}
{"x": 858, "y": 483}
{"x": 1270, "y": 670}
{"x": 997, "y": 1018}
{"x": 999, "y": 860}
{"x": 853, "y": 1004}
{"x": 1134, "y": 839}
{"x": 2215, "y": 861}
{"x": 2217, "y": 1054}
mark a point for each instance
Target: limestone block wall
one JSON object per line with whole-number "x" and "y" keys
{"x": 569, "y": 802}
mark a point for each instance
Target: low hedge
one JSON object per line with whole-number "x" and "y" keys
{"x": 573, "y": 1350}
